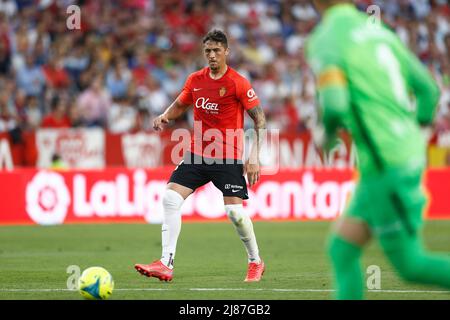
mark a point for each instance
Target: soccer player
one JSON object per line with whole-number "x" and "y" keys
{"x": 365, "y": 79}
{"x": 219, "y": 95}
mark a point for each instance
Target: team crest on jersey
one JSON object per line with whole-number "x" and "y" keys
{"x": 222, "y": 91}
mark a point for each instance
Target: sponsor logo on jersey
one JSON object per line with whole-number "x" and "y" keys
{"x": 233, "y": 186}
{"x": 251, "y": 95}
{"x": 206, "y": 105}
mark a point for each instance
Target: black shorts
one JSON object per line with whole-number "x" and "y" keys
{"x": 226, "y": 174}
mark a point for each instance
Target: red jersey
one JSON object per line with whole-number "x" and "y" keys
{"x": 218, "y": 112}
{"x": 52, "y": 122}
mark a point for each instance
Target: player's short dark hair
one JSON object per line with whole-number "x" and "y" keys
{"x": 216, "y": 36}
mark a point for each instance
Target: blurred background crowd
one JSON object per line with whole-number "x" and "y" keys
{"x": 130, "y": 58}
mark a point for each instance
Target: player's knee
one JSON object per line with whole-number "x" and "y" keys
{"x": 172, "y": 201}
{"x": 235, "y": 213}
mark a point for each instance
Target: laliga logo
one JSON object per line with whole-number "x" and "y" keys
{"x": 204, "y": 104}
{"x": 47, "y": 198}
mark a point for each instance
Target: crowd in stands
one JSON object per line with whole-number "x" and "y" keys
{"x": 129, "y": 58}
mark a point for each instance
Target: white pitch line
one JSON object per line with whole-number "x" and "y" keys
{"x": 34, "y": 290}
{"x": 224, "y": 289}
{"x": 410, "y": 291}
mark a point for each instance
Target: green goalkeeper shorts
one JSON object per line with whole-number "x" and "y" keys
{"x": 392, "y": 203}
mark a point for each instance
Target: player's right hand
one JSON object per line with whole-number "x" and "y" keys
{"x": 159, "y": 122}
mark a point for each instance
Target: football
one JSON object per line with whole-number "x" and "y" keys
{"x": 96, "y": 283}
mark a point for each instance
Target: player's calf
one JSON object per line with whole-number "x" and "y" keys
{"x": 244, "y": 228}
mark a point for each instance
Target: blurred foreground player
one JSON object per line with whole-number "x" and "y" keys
{"x": 365, "y": 77}
{"x": 219, "y": 95}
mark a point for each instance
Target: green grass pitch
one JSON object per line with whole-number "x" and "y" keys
{"x": 210, "y": 262}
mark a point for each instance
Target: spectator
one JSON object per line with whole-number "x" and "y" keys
{"x": 252, "y": 52}
{"x": 33, "y": 114}
{"x": 8, "y": 7}
{"x": 118, "y": 79}
{"x": 30, "y": 77}
{"x": 76, "y": 62}
{"x": 140, "y": 70}
{"x": 303, "y": 11}
{"x": 293, "y": 123}
{"x": 8, "y": 119}
{"x": 58, "y": 117}
{"x": 55, "y": 75}
{"x": 121, "y": 116}
{"x": 143, "y": 120}
{"x": 173, "y": 84}
{"x": 153, "y": 97}
{"x": 58, "y": 163}
{"x": 5, "y": 59}
{"x": 297, "y": 40}
{"x": 74, "y": 115}
{"x": 94, "y": 103}
{"x": 20, "y": 47}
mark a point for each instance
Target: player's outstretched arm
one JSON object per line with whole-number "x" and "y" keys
{"x": 252, "y": 167}
{"x": 174, "y": 111}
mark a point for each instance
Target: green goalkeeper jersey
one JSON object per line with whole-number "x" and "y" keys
{"x": 371, "y": 85}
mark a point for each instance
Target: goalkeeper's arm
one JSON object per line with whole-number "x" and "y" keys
{"x": 425, "y": 89}
{"x": 334, "y": 103}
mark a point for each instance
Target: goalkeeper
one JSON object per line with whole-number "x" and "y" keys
{"x": 365, "y": 81}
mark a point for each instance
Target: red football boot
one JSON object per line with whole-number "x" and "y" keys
{"x": 155, "y": 269}
{"x": 255, "y": 271}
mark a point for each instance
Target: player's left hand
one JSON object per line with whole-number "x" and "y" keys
{"x": 253, "y": 172}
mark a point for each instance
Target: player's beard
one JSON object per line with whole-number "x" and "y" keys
{"x": 214, "y": 66}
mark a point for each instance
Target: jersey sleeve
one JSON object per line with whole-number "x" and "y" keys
{"x": 185, "y": 96}
{"x": 423, "y": 85}
{"x": 245, "y": 94}
{"x": 332, "y": 91}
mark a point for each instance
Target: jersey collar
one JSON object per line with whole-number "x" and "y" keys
{"x": 209, "y": 73}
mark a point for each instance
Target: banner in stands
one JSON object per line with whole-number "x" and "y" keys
{"x": 97, "y": 149}
{"x": 121, "y": 195}
{"x": 286, "y": 150}
{"x": 78, "y": 148}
